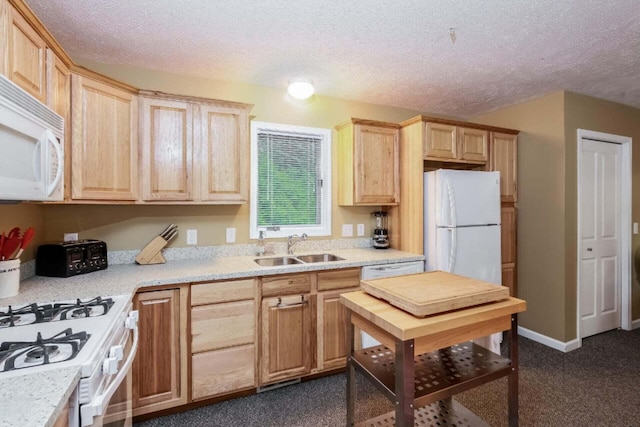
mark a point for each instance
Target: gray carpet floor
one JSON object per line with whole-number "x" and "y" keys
{"x": 596, "y": 385}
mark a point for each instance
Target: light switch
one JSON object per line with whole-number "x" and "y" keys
{"x": 347, "y": 230}
{"x": 360, "y": 229}
{"x": 635, "y": 228}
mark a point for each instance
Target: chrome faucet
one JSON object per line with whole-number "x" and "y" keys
{"x": 293, "y": 240}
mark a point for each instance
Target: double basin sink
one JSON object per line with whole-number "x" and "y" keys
{"x": 296, "y": 259}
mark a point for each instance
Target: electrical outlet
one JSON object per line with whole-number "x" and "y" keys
{"x": 70, "y": 237}
{"x": 347, "y": 230}
{"x": 231, "y": 235}
{"x": 192, "y": 237}
{"x": 360, "y": 229}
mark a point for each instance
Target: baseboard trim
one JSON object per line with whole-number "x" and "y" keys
{"x": 548, "y": 341}
{"x": 635, "y": 324}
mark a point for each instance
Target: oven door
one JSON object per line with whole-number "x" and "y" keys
{"x": 112, "y": 404}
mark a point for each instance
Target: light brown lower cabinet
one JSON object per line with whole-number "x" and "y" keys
{"x": 508, "y": 242}
{"x": 223, "y": 335}
{"x": 223, "y": 371}
{"x": 331, "y": 330}
{"x": 160, "y": 367}
{"x": 286, "y": 337}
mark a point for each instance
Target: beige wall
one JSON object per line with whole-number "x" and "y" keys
{"x": 131, "y": 227}
{"x": 541, "y": 223}
{"x": 24, "y": 215}
{"x": 547, "y": 200}
{"x": 584, "y": 112}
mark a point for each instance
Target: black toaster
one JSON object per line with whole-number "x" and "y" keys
{"x": 71, "y": 258}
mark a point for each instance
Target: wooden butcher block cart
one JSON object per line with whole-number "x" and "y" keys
{"x": 424, "y": 322}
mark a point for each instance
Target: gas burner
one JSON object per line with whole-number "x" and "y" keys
{"x": 92, "y": 308}
{"x": 32, "y": 313}
{"x": 39, "y": 353}
{"x": 59, "y": 348}
{"x": 81, "y": 312}
{"x": 41, "y": 313}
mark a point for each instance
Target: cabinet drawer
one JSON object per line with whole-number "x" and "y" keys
{"x": 223, "y": 371}
{"x": 289, "y": 284}
{"x": 222, "y": 325}
{"x": 216, "y": 292}
{"x": 338, "y": 279}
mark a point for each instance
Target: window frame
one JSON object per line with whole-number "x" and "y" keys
{"x": 324, "y": 228}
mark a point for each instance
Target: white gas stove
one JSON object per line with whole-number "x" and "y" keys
{"x": 93, "y": 334}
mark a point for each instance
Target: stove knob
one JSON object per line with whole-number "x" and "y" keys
{"x": 117, "y": 352}
{"x": 110, "y": 366}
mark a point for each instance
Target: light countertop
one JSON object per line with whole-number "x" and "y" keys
{"x": 32, "y": 403}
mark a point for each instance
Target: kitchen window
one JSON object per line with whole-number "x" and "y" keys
{"x": 290, "y": 180}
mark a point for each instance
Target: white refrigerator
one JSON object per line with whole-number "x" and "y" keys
{"x": 462, "y": 228}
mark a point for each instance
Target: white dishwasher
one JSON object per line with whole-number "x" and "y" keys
{"x": 387, "y": 270}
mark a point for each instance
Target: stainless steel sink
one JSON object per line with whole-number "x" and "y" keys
{"x": 278, "y": 260}
{"x": 319, "y": 258}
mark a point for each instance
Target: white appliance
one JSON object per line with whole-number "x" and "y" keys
{"x": 462, "y": 227}
{"x": 32, "y": 147}
{"x": 99, "y": 336}
{"x": 387, "y": 270}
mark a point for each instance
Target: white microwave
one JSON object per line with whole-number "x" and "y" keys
{"x": 31, "y": 147}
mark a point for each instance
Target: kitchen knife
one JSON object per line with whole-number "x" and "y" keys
{"x": 172, "y": 234}
{"x": 167, "y": 231}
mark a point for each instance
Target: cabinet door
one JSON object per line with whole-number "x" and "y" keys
{"x": 376, "y": 165}
{"x": 59, "y": 99}
{"x": 509, "y": 279}
{"x": 166, "y": 148}
{"x": 160, "y": 366}
{"x": 474, "y": 144}
{"x": 104, "y": 142}
{"x": 504, "y": 158}
{"x": 286, "y": 338}
{"x": 225, "y": 155}
{"x": 508, "y": 242}
{"x": 441, "y": 141}
{"x": 23, "y": 52}
{"x": 331, "y": 330}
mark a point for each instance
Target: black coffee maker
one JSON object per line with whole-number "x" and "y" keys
{"x": 380, "y": 230}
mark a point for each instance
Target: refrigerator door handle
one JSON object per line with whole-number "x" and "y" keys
{"x": 452, "y": 203}
{"x": 452, "y": 249}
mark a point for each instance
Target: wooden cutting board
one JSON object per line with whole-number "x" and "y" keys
{"x": 424, "y": 294}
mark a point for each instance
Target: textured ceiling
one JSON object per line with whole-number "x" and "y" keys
{"x": 398, "y": 53}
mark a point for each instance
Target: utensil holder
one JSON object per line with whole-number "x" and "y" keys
{"x": 9, "y": 278}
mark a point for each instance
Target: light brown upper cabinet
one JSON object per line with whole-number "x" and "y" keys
{"x": 59, "y": 99}
{"x": 368, "y": 163}
{"x": 104, "y": 141}
{"x": 224, "y": 153}
{"x": 447, "y": 142}
{"x": 504, "y": 151}
{"x": 194, "y": 150}
{"x": 22, "y": 52}
{"x": 166, "y": 149}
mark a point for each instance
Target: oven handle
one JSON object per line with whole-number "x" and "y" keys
{"x": 96, "y": 406}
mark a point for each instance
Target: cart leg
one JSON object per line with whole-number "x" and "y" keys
{"x": 513, "y": 377}
{"x": 405, "y": 388}
{"x": 351, "y": 370}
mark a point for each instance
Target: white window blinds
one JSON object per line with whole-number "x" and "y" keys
{"x": 290, "y": 182}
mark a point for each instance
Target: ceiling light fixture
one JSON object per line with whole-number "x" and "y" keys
{"x": 300, "y": 89}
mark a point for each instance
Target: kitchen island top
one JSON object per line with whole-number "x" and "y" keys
{"x": 42, "y": 404}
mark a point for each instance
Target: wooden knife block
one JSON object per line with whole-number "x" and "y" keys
{"x": 151, "y": 254}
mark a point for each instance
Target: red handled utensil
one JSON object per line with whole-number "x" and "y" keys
{"x": 26, "y": 239}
